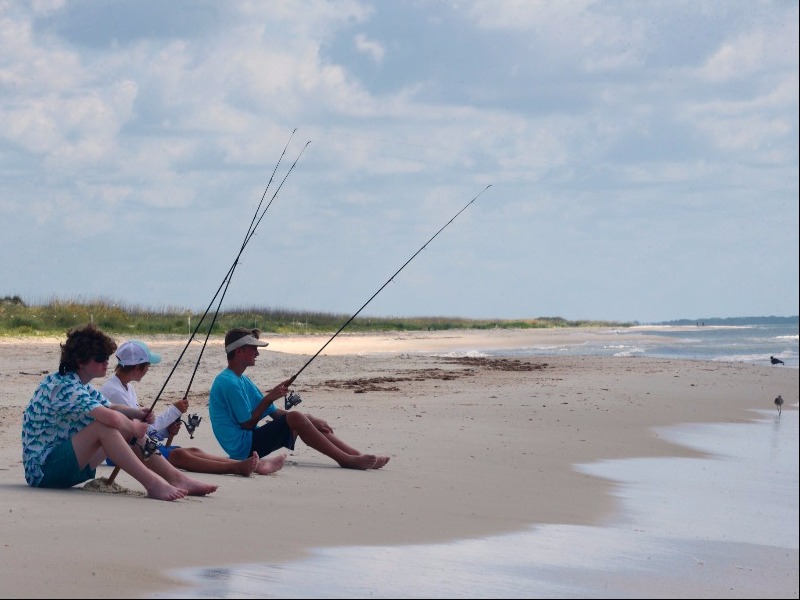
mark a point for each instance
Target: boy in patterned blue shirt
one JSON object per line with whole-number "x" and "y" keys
{"x": 69, "y": 428}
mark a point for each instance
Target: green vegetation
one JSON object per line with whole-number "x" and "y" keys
{"x": 57, "y": 316}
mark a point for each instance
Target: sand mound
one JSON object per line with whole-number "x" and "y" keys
{"x": 102, "y": 485}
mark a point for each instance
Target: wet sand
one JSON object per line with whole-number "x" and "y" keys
{"x": 654, "y": 545}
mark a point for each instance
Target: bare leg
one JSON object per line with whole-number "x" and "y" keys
{"x": 98, "y": 438}
{"x": 158, "y": 464}
{"x": 306, "y": 431}
{"x": 344, "y": 447}
{"x": 197, "y": 461}
{"x": 270, "y": 464}
{"x": 341, "y": 445}
{"x": 380, "y": 462}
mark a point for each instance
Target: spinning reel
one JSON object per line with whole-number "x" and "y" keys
{"x": 191, "y": 423}
{"x": 291, "y": 399}
{"x": 148, "y": 447}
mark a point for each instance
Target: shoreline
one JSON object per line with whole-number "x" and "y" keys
{"x": 706, "y": 559}
{"x": 479, "y": 447}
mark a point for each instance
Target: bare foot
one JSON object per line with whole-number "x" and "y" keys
{"x": 362, "y": 461}
{"x": 271, "y": 464}
{"x": 193, "y": 487}
{"x": 382, "y": 460}
{"x": 161, "y": 490}
{"x": 248, "y": 465}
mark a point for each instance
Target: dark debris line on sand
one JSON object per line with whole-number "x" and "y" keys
{"x": 383, "y": 384}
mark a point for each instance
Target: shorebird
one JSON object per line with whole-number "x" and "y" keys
{"x": 779, "y": 404}
{"x": 775, "y": 361}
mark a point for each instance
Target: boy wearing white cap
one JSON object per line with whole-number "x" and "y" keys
{"x": 133, "y": 361}
{"x": 236, "y": 406}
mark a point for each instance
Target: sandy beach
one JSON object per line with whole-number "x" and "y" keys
{"x": 479, "y": 447}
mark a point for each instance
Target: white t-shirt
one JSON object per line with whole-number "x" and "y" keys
{"x": 117, "y": 393}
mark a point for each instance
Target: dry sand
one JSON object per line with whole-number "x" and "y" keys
{"x": 478, "y": 446}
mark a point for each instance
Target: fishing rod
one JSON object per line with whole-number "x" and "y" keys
{"x": 149, "y": 446}
{"x": 310, "y": 360}
{"x": 248, "y": 237}
{"x": 227, "y": 279}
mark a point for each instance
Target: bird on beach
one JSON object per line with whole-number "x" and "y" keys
{"x": 779, "y": 404}
{"x": 775, "y": 361}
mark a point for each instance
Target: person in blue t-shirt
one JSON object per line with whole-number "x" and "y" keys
{"x": 236, "y": 406}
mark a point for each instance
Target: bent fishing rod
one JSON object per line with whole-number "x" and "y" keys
{"x": 223, "y": 287}
{"x": 230, "y": 277}
{"x": 149, "y": 447}
{"x": 194, "y": 420}
{"x": 310, "y": 360}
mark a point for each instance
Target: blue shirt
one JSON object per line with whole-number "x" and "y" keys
{"x": 231, "y": 402}
{"x": 59, "y": 409}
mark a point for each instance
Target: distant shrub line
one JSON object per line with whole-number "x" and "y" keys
{"x": 57, "y": 316}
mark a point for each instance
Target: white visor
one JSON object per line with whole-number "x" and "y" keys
{"x": 247, "y": 340}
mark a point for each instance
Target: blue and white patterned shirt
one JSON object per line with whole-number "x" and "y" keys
{"x": 58, "y": 410}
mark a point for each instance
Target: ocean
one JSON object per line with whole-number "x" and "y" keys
{"x": 742, "y": 343}
{"x": 749, "y": 478}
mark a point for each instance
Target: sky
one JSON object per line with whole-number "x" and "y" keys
{"x": 642, "y": 156}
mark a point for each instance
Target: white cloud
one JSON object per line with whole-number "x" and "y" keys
{"x": 525, "y": 15}
{"x": 752, "y": 125}
{"x": 580, "y": 31}
{"x": 369, "y": 47}
{"x": 753, "y": 51}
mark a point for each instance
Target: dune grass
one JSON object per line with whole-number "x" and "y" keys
{"x": 57, "y": 316}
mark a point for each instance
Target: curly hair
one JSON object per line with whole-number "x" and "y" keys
{"x": 83, "y": 344}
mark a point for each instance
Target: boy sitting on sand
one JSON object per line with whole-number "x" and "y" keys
{"x": 236, "y": 406}
{"x": 133, "y": 362}
{"x": 69, "y": 428}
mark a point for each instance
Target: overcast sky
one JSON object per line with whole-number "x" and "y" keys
{"x": 643, "y": 155}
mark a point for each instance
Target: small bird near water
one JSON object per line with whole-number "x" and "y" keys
{"x": 779, "y": 404}
{"x": 775, "y": 361}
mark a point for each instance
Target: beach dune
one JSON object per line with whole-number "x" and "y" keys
{"x": 479, "y": 446}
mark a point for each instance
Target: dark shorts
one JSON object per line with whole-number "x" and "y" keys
{"x": 61, "y": 469}
{"x": 272, "y": 435}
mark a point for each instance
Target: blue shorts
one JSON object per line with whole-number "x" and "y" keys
{"x": 61, "y": 469}
{"x": 165, "y": 450}
{"x": 272, "y": 435}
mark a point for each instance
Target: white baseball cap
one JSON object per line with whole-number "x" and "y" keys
{"x": 135, "y": 352}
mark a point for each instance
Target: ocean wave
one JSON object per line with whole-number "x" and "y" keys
{"x": 631, "y": 352}
{"x": 463, "y": 354}
{"x": 746, "y": 358}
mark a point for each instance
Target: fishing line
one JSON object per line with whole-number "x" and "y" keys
{"x": 230, "y": 277}
{"x": 385, "y": 284}
{"x": 147, "y": 448}
{"x": 227, "y": 279}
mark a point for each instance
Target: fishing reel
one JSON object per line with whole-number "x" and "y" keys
{"x": 291, "y": 399}
{"x": 191, "y": 423}
{"x": 148, "y": 447}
